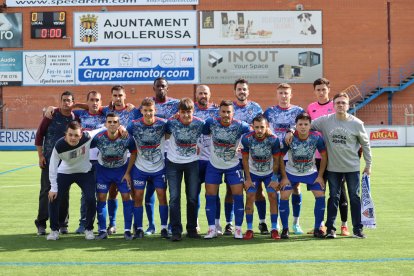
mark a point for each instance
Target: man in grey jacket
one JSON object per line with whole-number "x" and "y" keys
{"x": 344, "y": 134}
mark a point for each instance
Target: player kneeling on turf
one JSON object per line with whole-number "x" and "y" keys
{"x": 301, "y": 168}
{"x": 261, "y": 154}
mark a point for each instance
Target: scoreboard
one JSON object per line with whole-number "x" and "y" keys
{"x": 48, "y": 25}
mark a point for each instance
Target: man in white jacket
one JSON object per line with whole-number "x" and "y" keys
{"x": 69, "y": 164}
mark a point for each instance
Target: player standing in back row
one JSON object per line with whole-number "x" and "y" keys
{"x": 245, "y": 110}
{"x": 324, "y": 106}
{"x": 282, "y": 117}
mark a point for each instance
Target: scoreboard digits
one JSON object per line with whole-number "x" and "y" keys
{"x": 49, "y": 25}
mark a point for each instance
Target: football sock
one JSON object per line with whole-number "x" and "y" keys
{"x": 239, "y": 209}
{"x": 228, "y": 211}
{"x": 211, "y": 209}
{"x": 249, "y": 221}
{"x": 163, "y": 214}
{"x": 127, "y": 214}
{"x": 273, "y": 220}
{"x": 101, "y": 211}
{"x": 261, "y": 209}
{"x": 138, "y": 214}
{"x": 284, "y": 213}
{"x": 150, "y": 203}
{"x": 218, "y": 207}
{"x": 112, "y": 209}
{"x": 296, "y": 204}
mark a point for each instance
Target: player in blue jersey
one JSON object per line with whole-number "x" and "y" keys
{"x": 261, "y": 155}
{"x": 113, "y": 167}
{"x": 149, "y": 134}
{"x": 226, "y": 133}
{"x": 118, "y": 105}
{"x": 50, "y": 130}
{"x": 246, "y": 110}
{"x": 126, "y": 114}
{"x": 90, "y": 119}
{"x": 183, "y": 133}
{"x": 301, "y": 168}
{"x": 282, "y": 117}
{"x": 165, "y": 108}
{"x": 205, "y": 109}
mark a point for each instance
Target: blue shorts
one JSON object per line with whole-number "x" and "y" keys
{"x": 232, "y": 176}
{"x": 140, "y": 179}
{"x": 106, "y": 176}
{"x": 258, "y": 180}
{"x": 202, "y": 167}
{"x": 307, "y": 179}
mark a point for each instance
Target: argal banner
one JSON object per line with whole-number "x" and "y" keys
{"x": 387, "y": 136}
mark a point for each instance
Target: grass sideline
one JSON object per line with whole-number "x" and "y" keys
{"x": 388, "y": 249}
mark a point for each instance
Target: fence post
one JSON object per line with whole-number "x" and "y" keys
{"x": 379, "y": 78}
{"x": 6, "y": 120}
{"x": 390, "y": 108}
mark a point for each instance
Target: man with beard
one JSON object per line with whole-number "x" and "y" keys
{"x": 226, "y": 133}
{"x": 261, "y": 155}
{"x": 51, "y": 130}
{"x": 246, "y": 110}
{"x": 205, "y": 109}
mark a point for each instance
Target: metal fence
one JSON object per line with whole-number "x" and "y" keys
{"x": 381, "y": 114}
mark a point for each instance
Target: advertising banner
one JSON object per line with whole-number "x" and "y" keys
{"x": 86, "y": 3}
{"x": 138, "y": 28}
{"x": 137, "y": 66}
{"x": 48, "y": 68}
{"x": 11, "y": 30}
{"x": 17, "y": 139}
{"x": 260, "y": 27}
{"x": 261, "y": 65}
{"x": 387, "y": 136}
{"x": 11, "y": 67}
